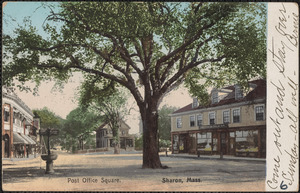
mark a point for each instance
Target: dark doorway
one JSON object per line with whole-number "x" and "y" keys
{"x": 183, "y": 143}
{"x": 223, "y": 143}
{"x": 6, "y": 145}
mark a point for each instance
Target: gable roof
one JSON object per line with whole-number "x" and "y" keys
{"x": 103, "y": 125}
{"x": 259, "y": 92}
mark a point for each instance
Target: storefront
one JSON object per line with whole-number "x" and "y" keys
{"x": 246, "y": 141}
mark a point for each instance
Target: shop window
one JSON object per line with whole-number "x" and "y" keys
{"x": 199, "y": 120}
{"x": 204, "y": 141}
{"x": 225, "y": 117}
{"x": 259, "y": 113}
{"x": 192, "y": 121}
{"x": 175, "y": 142}
{"x": 246, "y": 141}
{"x": 178, "y": 122}
{"x": 6, "y": 116}
{"x": 232, "y": 134}
{"x": 211, "y": 117}
{"x": 236, "y": 115}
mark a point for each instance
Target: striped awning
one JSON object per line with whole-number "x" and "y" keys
{"x": 18, "y": 139}
{"x": 28, "y": 139}
{"x": 31, "y": 140}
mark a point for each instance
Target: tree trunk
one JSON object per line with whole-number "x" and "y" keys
{"x": 150, "y": 139}
{"x": 116, "y": 148}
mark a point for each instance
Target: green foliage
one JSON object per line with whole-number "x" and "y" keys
{"x": 111, "y": 107}
{"x": 138, "y": 143}
{"x": 164, "y": 143}
{"x": 48, "y": 119}
{"x": 164, "y": 122}
{"x": 80, "y": 122}
{"x": 125, "y": 33}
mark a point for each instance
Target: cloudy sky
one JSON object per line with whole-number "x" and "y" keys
{"x": 62, "y": 102}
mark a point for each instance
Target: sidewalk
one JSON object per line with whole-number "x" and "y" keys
{"x": 213, "y": 157}
{"x": 7, "y": 160}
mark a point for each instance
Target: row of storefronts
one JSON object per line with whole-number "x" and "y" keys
{"x": 232, "y": 124}
{"x": 249, "y": 142}
{"x": 19, "y": 130}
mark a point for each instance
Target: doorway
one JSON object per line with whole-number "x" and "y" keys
{"x": 6, "y": 146}
{"x": 183, "y": 143}
{"x": 224, "y": 139}
{"x": 232, "y": 143}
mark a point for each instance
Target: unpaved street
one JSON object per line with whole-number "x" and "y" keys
{"x": 108, "y": 172}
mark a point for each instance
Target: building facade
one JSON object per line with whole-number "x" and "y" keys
{"x": 234, "y": 123}
{"x": 18, "y": 133}
{"x": 104, "y": 137}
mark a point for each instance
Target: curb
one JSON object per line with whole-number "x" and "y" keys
{"x": 215, "y": 158}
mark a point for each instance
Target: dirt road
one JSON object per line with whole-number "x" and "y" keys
{"x": 108, "y": 172}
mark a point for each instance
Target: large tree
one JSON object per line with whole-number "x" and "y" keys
{"x": 148, "y": 48}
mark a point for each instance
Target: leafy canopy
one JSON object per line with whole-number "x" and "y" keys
{"x": 48, "y": 119}
{"x": 154, "y": 45}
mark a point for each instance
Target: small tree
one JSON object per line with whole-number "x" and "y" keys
{"x": 79, "y": 123}
{"x": 49, "y": 119}
{"x": 164, "y": 122}
{"x": 139, "y": 143}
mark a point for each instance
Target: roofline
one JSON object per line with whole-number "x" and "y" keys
{"x": 263, "y": 100}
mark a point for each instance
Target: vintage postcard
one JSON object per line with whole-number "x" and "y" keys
{"x": 150, "y": 96}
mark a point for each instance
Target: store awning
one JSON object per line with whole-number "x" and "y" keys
{"x": 26, "y": 138}
{"x": 31, "y": 140}
{"x": 18, "y": 139}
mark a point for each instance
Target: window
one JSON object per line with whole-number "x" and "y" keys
{"x": 6, "y": 115}
{"x": 259, "y": 113}
{"x": 175, "y": 142}
{"x": 215, "y": 98}
{"x": 192, "y": 121}
{"x": 123, "y": 132}
{"x": 204, "y": 141}
{"x": 110, "y": 131}
{"x": 199, "y": 120}
{"x": 14, "y": 118}
{"x": 236, "y": 115}
{"x": 211, "y": 117}
{"x": 195, "y": 103}
{"x": 247, "y": 141}
{"x": 225, "y": 117}
{"x": 238, "y": 92}
{"x": 178, "y": 122}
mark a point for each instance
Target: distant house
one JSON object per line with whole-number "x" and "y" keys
{"x": 234, "y": 123}
{"x": 104, "y": 137}
{"x": 19, "y": 136}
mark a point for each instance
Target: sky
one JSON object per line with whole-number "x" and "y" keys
{"x": 64, "y": 101}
